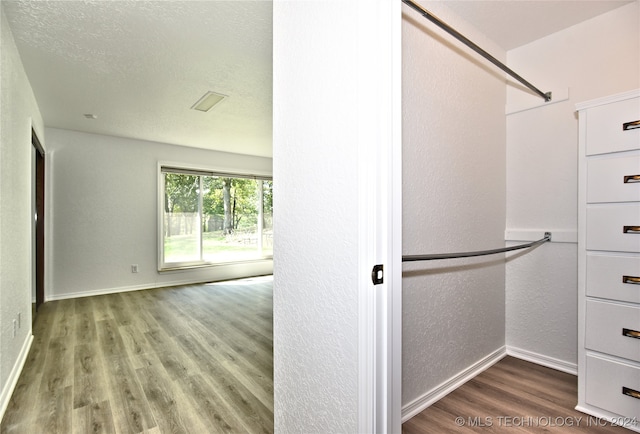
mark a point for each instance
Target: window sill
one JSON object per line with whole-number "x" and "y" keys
{"x": 173, "y": 268}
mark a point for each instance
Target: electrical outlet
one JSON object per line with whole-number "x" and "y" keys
{"x": 134, "y": 268}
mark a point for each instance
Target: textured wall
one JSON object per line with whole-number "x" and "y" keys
{"x": 104, "y": 193}
{"x": 453, "y": 200}
{"x": 596, "y": 58}
{"x": 18, "y": 110}
{"x": 315, "y": 284}
{"x": 333, "y": 74}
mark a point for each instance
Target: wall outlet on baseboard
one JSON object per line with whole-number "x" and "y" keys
{"x": 134, "y": 268}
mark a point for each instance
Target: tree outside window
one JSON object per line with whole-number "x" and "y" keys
{"x": 215, "y": 218}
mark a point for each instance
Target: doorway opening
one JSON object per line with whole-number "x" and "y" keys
{"x": 38, "y": 222}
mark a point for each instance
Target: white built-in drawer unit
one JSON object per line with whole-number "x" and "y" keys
{"x": 615, "y": 277}
{"x": 609, "y": 258}
{"x": 614, "y": 227}
{"x": 613, "y": 179}
{"x": 614, "y": 329}
{"x": 612, "y": 386}
{"x": 606, "y": 131}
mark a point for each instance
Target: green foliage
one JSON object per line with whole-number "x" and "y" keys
{"x": 228, "y": 204}
{"x": 242, "y": 200}
{"x": 181, "y": 192}
{"x": 267, "y": 194}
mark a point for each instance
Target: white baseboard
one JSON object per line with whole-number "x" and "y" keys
{"x": 424, "y": 401}
{"x": 104, "y": 291}
{"x": 439, "y": 392}
{"x": 10, "y": 385}
{"x": 541, "y": 359}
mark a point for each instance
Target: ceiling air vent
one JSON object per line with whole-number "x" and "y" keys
{"x": 208, "y": 101}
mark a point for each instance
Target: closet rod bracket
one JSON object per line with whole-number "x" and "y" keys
{"x": 547, "y": 235}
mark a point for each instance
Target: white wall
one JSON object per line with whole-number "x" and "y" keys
{"x": 453, "y": 201}
{"x": 596, "y": 58}
{"x": 103, "y": 196}
{"x": 335, "y": 110}
{"x": 18, "y": 114}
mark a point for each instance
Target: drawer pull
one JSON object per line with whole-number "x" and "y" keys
{"x": 630, "y": 392}
{"x": 631, "y": 333}
{"x": 631, "y": 280}
{"x": 630, "y": 179}
{"x": 630, "y": 125}
{"x": 631, "y": 229}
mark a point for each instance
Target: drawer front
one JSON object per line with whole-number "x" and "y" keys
{"x": 613, "y": 277}
{"x": 613, "y": 227}
{"x": 604, "y": 386}
{"x": 605, "y": 131}
{"x": 613, "y": 179}
{"x": 613, "y": 329}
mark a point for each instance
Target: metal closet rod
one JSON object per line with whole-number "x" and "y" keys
{"x": 412, "y": 258}
{"x": 453, "y": 32}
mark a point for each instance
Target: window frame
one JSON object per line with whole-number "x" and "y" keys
{"x": 189, "y": 169}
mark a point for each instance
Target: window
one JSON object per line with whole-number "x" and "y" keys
{"x": 212, "y": 218}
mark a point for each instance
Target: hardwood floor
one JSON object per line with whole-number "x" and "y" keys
{"x": 513, "y": 396}
{"x": 191, "y": 359}
{"x": 199, "y": 359}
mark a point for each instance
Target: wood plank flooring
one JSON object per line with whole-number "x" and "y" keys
{"x": 513, "y": 396}
{"x": 191, "y": 359}
{"x": 199, "y": 359}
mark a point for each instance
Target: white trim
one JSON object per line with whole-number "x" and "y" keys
{"x": 367, "y": 318}
{"x": 439, "y": 392}
{"x": 557, "y": 235}
{"x": 557, "y": 95}
{"x": 160, "y": 216}
{"x": 12, "y": 381}
{"x": 105, "y": 291}
{"x": 380, "y": 203}
{"x": 541, "y": 359}
{"x": 212, "y": 265}
{"x": 608, "y": 99}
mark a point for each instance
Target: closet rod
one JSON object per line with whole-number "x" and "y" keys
{"x": 411, "y": 258}
{"x": 453, "y": 32}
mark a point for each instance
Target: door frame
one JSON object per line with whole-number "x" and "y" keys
{"x": 337, "y": 70}
{"x": 380, "y": 193}
{"x": 39, "y": 187}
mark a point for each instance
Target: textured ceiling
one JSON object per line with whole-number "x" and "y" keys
{"x": 140, "y": 65}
